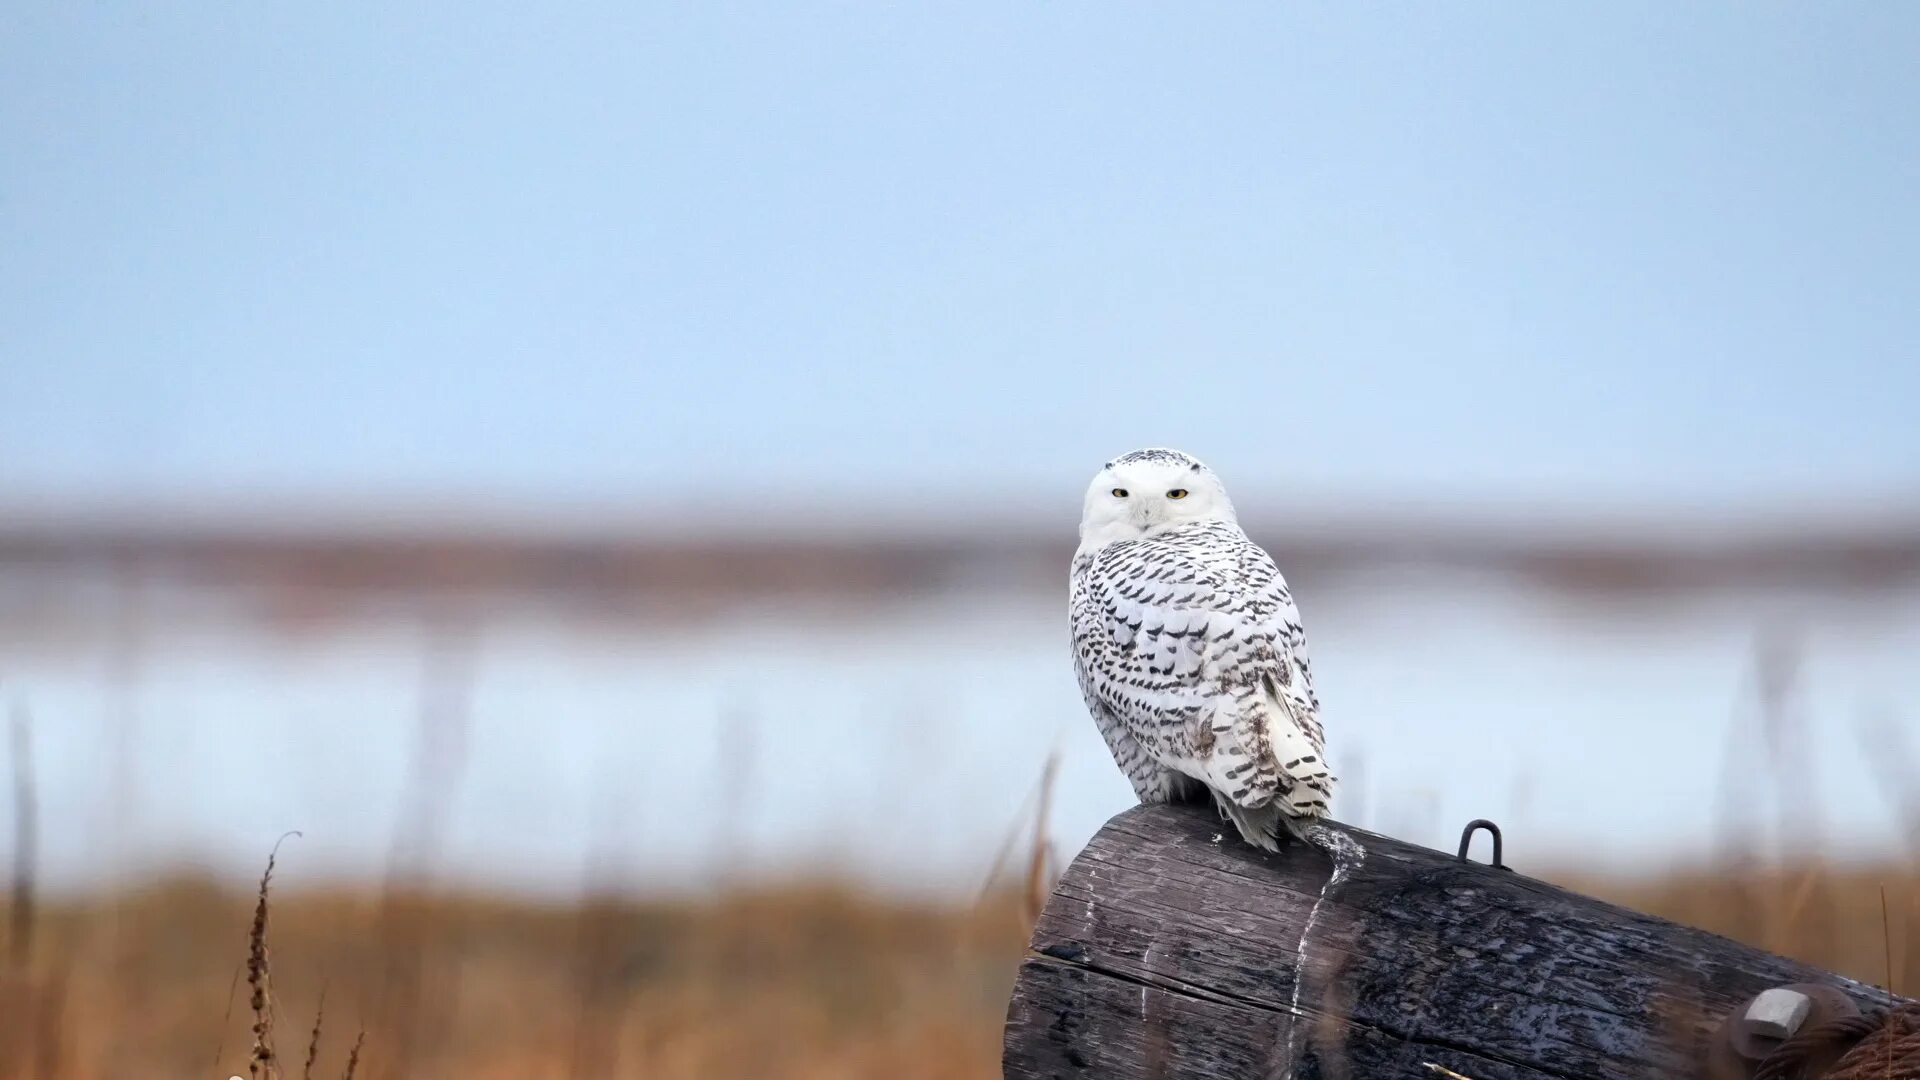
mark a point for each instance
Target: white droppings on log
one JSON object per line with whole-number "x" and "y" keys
{"x": 1347, "y": 856}
{"x": 1145, "y": 965}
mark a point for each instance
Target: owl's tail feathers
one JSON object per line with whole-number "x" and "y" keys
{"x": 1265, "y": 826}
{"x": 1259, "y": 825}
{"x": 1306, "y": 783}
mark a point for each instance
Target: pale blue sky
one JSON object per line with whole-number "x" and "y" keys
{"x": 1640, "y": 250}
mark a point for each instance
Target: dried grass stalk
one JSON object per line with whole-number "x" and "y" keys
{"x": 313, "y": 1043}
{"x": 353, "y": 1056}
{"x": 261, "y": 1065}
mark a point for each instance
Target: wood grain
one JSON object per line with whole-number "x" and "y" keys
{"x": 1171, "y": 950}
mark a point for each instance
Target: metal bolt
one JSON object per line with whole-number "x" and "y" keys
{"x": 1754, "y": 1030}
{"x": 1778, "y": 1013}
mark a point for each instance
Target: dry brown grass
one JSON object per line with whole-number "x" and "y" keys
{"x": 795, "y": 982}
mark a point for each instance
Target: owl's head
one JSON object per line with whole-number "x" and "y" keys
{"x": 1147, "y": 491}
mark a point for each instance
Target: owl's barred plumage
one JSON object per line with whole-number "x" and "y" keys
{"x": 1190, "y": 651}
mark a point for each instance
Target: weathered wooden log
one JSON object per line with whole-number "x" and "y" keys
{"x": 1171, "y": 949}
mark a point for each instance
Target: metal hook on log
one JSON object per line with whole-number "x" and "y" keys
{"x": 1466, "y": 839}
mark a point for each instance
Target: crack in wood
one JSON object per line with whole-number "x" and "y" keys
{"x": 1192, "y": 992}
{"x": 1165, "y": 985}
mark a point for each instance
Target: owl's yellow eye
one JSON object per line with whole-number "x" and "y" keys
{"x": 1177, "y": 493}
{"x": 1119, "y": 493}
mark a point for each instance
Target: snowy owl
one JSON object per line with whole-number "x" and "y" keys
{"x": 1190, "y": 651}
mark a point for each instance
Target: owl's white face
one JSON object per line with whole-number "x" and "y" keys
{"x": 1147, "y": 491}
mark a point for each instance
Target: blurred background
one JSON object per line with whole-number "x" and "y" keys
{"x": 606, "y": 478}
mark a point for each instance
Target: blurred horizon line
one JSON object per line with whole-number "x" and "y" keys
{"x": 859, "y": 512}
{"x": 318, "y": 558}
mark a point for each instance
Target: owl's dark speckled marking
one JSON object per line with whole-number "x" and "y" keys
{"x": 1193, "y": 662}
{"x": 1155, "y": 456}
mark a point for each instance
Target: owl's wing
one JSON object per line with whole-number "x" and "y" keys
{"x": 1203, "y": 656}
